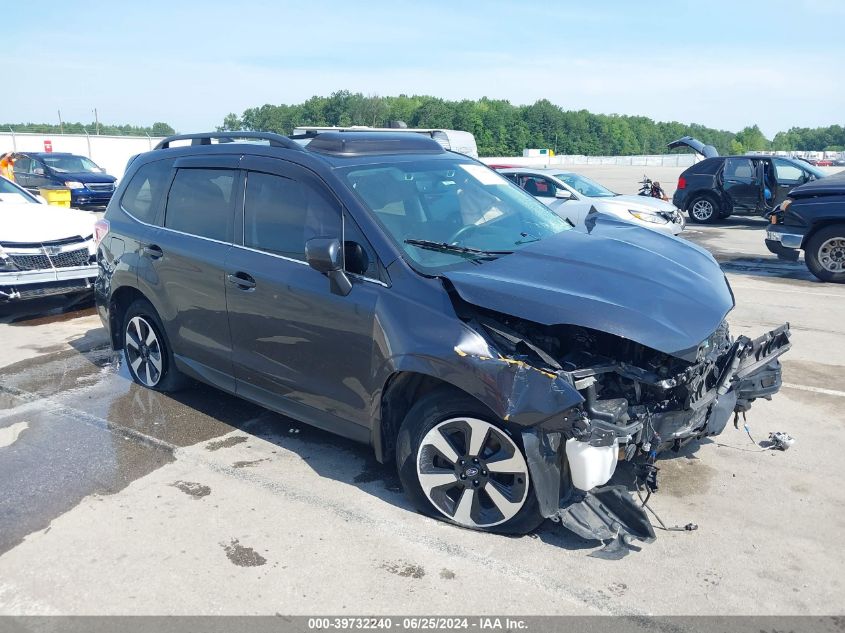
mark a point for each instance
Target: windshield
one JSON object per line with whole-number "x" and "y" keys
{"x": 70, "y": 163}
{"x": 9, "y": 192}
{"x": 451, "y": 211}
{"x": 585, "y": 186}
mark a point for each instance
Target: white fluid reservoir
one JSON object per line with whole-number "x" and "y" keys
{"x": 591, "y": 466}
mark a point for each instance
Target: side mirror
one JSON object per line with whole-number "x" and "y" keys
{"x": 325, "y": 255}
{"x": 38, "y": 171}
{"x": 563, "y": 194}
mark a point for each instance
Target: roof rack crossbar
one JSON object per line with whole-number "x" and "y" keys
{"x": 204, "y": 138}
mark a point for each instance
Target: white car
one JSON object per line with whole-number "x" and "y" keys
{"x": 571, "y": 196}
{"x": 44, "y": 250}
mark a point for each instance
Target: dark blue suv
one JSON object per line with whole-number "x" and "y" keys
{"x": 408, "y": 297}
{"x": 90, "y": 186}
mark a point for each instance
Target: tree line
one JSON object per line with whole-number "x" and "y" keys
{"x": 156, "y": 129}
{"x": 500, "y": 128}
{"x": 503, "y": 129}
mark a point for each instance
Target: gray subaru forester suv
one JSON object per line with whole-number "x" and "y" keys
{"x": 393, "y": 292}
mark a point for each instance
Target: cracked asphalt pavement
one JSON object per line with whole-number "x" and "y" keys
{"x": 118, "y": 500}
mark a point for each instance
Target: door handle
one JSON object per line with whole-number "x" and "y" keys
{"x": 152, "y": 251}
{"x": 241, "y": 280}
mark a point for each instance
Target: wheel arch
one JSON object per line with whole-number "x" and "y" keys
{"x": 119, "y": 303}
{"x": 715, "y": 196}
{"x": 400, "y": 391}
{"x": 821, "y": 225}
{"x": 510, "y": 390}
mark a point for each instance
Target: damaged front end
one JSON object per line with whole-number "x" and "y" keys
{"x": 632, "y": 403}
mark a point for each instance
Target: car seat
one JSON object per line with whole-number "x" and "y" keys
{"x": 530, "y": 186}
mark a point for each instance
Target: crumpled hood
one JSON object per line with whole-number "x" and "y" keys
{"x": 639, "y": 203}
{"x": 24, "y": 222}
{"x": 616, "y": 277}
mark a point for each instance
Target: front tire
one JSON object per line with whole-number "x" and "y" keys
{"x": 459, "y": 464}
{"x": 825, "y": 254}
{"x": 703, "y": 210}
{"x": 147, "y": 350}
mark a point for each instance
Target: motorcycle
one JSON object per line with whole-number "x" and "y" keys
{"x": 652, "y": 189}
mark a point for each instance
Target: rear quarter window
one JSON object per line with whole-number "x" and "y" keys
{"x": 707, "y": 167}
{"x": 143, "y": 193}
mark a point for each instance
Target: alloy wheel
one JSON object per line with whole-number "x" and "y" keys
{"x": 143, "y": 351}
{"x": 702, "y": 210}
{"x": 831, "y": 255}
{"x": 472, "y": 472}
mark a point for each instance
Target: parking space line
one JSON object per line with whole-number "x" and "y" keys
{"x": 827, "y": 392}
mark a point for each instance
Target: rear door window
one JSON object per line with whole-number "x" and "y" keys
{"x": 281, "y": 214}
{"x": 739, "y": 169}
{"x": 142, "y": 194}
{"x": 200, "y": 202}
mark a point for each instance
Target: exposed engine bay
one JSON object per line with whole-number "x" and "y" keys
{"x": 636, "y": 402}
{"x": 648, "y": 400}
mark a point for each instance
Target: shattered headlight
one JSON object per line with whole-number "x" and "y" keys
{"x": 647, "y": 216}
{"x": 6, "y": 264}
{"x": 716, "y": 344}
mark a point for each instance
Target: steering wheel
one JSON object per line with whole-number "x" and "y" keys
{"x": 463, "y": 232}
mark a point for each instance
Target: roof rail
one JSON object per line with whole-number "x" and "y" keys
{"x": 204, "y": 138}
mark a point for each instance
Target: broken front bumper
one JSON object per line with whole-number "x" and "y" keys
{"x": 752, "y": 370}
{"x": 749, "y": 370}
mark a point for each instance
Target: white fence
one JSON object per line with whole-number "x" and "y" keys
{"x": 656, "y": 160}
{"x": 109, "y": 152}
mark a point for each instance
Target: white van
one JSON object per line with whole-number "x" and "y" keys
{"x": 454, "y": 140}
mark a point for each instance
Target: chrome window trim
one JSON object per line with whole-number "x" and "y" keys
{"x": 276, "y": 255}
{"x": 122, "y": 208}
{"x": 303, "y": 263}
{"x": 241, "y": 246}
{"x": 199, "y": 237}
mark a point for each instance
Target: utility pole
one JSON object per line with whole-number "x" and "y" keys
{"x": 61, "y": 125}
{"x": 96, "y": 121}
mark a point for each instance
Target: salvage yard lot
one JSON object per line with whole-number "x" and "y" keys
{"x": 120, "y": 500}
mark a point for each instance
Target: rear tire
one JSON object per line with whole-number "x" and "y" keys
{"x": 147, "y": 351}
{"x": 703, "y": 210}
{"x": 459, "y": 464}
{"x": 824, "y": 253}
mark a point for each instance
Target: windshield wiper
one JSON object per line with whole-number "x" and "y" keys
{"x": 443, "y": 247}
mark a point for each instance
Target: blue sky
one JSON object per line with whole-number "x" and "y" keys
{"x": 725, "y": 64}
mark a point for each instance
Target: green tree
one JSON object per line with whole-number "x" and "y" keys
{"x": 751, "y": 138}
{"x": 231, "y": 122}
{"x": 501, "y": 128}
{"x": 161, "y": 129}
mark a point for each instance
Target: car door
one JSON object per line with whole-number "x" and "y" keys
{"x": 184, "y": 264}
{"x": 297, "y": 347}
{"x": 740, "y": 184}
{"x": 545, "y": 190}
{"x": 22, "y": 169}
{"x": 40, "y": 177}
{"x": 788, "y": 175}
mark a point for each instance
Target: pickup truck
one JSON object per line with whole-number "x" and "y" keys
{"x": 812, "y": 219}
